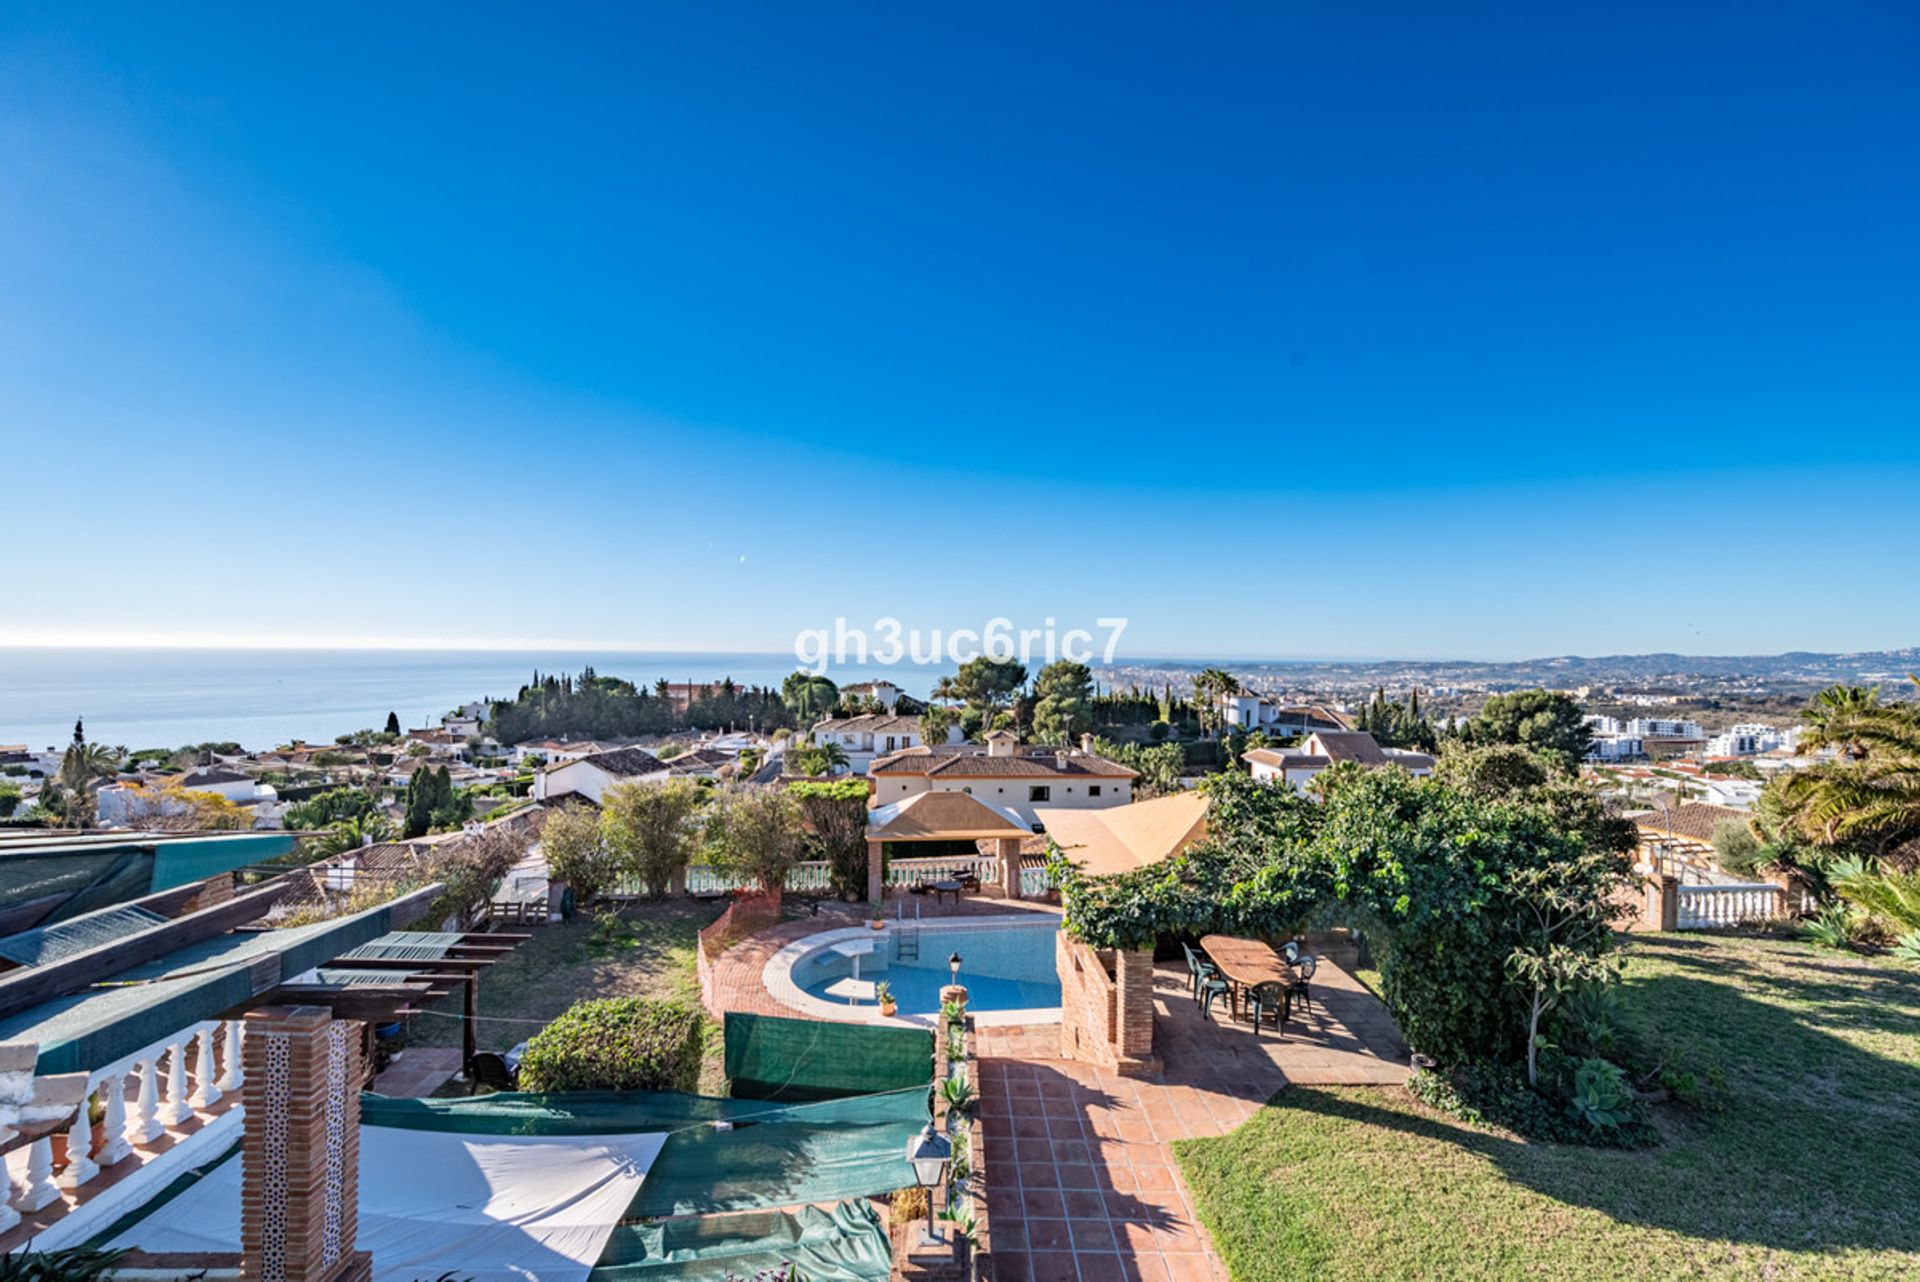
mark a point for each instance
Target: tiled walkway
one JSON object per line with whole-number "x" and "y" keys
{"x": 1083, "y": 1182}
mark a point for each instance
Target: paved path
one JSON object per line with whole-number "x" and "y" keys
{"x": 1084, "y": 1186}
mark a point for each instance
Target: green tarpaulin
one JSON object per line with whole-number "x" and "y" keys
{"x": 846, "y": 1244}
{"x": 771, "y": 1057}
{"x": 773, "y": 1155}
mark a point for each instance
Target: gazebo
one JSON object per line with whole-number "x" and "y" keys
{"x": 944, "y": 816}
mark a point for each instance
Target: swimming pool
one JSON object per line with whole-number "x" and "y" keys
{"x": 1006, "y": 964}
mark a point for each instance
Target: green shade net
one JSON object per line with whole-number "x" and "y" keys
{"x": 770, "y": 1057}
{"x": 53, "y": 886}
{"x": 179, "y": 861}
{"x": 775, "y": 1155}
{"x": 846, "y": 1244}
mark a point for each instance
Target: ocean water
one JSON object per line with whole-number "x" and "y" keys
{"x": 260, "y": 698}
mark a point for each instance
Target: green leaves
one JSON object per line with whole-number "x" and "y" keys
{"x": 616, "y": 1044}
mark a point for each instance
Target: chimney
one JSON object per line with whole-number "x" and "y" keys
{"x": 1001, "y": 743}
{"x": 1086, "y": 743}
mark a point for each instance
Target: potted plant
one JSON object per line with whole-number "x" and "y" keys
{"x": 883, "y": 993}
{"x": 877, "y": 915}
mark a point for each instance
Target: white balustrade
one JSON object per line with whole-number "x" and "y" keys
{"x": 144, "y": 1126}
{"x": 1705, "y": 907}
{"x": 175, "y": 1111}
{"x": 80, "y": 1166}
{"x": 113, "y": 1122}
{"x": 40, "y": 1191}
{"x": 233, "y": 1076}
{"x": 206, "y": 1092}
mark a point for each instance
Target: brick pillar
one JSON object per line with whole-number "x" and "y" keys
{"x": 876, "y": 884}
{"x": 1663, "y": 902}
{"x": 1009, "y": 853}
{"x": 1133, "y": 1006}
{"x": 300, "y": 1197}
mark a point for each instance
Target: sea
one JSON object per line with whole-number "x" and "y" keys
{"x": 154, "y": 698}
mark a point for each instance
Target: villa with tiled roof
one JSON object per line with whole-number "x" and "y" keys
{"x": 1004, "y": 774}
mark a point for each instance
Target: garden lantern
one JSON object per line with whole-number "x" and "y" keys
{"x": 953, "y": 968}
{"x": 928, "y": 1153}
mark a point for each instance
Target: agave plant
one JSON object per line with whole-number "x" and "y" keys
{"x": 958, "y": 1093}
{"x": 1601, "y": 1097}
{"x": 1836, "y": 928}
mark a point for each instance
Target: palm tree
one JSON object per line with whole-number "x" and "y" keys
{"x": 1838, "y": 716}
{"x": 935, "y": 722}
{"x": 1869, "y": 795}
{"x": 83, "y": 767}
{"x": 1209, "y": 687}
{"x": 351, "y": 834}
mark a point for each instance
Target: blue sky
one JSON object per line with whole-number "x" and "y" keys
{"x": 1284, "y": 329}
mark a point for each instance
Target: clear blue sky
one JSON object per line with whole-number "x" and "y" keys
{"x": 1279, "y": 329}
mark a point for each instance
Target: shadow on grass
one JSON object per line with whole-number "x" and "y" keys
{"x": 1814, "y": 1150}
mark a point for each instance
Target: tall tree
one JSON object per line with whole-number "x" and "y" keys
{"x": 756, "y": 833}
{"x": 1544, "y": 720}
{"x": 393, "y": 723}
{"x": 1064, "y": 702}
{"x": 650, "y": 828}
{"x": 1868, "y": 798}
{"x": 987, "y": 685}
{"x": 808, "y": 697}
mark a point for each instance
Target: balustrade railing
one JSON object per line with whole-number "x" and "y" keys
{"x": 141, "y": 1098}
{"x": 1707, "y": 906}
{"x": 911, "y": 872}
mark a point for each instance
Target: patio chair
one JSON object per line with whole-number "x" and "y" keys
{"x": 490, "y": 1071}
{"x": 1271, "y": 998}
{"x": 1211, "y": 988}
{"x": 1198, "y": 969}
{"x": 1303, "y": 968}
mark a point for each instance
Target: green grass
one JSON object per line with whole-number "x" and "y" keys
{"x": 1808, "y": 1168}
{"x": 563, "y": 963}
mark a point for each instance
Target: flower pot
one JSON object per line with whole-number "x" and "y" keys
{"x": 878, "y": 924}
{"x": 887, "y": 1009}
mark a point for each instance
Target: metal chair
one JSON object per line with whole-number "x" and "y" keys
{"x": 1271, "y": 997}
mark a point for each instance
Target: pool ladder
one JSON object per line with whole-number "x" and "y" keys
{"x": 907, "y": 942}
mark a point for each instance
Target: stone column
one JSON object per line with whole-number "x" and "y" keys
{"x": 1008, "y": 851}
{"x": 300, "y": 1199}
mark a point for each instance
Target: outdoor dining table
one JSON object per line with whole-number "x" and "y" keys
{"x": 1245, "y": 963}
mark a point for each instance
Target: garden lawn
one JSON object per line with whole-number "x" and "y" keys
{"x": 1808, "y": 1168}
{"x": 652, "y": 956}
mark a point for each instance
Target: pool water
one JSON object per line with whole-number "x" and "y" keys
{"x": 1007, "y": 967}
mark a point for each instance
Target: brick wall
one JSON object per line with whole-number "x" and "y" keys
{"x": 1106, "y": 1007}
{"x": 747, "y": 915}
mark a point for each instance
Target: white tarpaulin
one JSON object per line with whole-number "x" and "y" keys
{"x": 494, "y": 1208}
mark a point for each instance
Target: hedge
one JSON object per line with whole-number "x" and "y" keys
{"x": 616, "y": 1044}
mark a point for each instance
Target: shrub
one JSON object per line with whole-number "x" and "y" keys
{"x": 1491, "y": 1094}
{"x": 1836, "y": 928}
{"x": 1737, "y": 849}
{"x": 616, "y": 1044}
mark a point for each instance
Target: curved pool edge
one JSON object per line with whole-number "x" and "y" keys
{"x": 777, "y": 978}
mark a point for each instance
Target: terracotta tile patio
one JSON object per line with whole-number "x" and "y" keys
{"x": 1085, "y": 1187}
